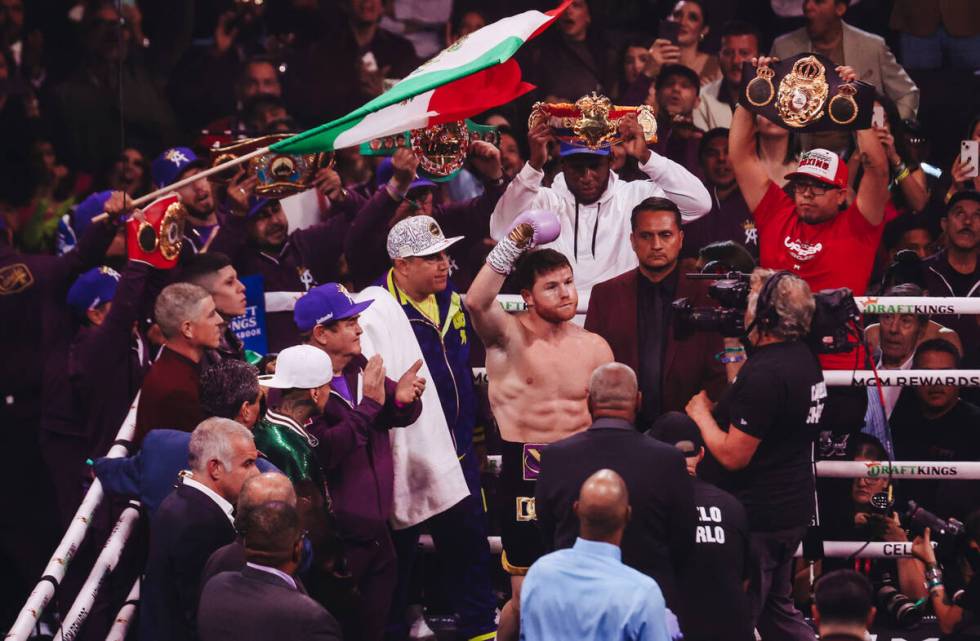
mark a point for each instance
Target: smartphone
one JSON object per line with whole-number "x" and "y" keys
{"x": 878, "y": 116}
{"x": 970, "y": 156}
{"x": 370, "y": 62}
{"x": 669, "y": 30}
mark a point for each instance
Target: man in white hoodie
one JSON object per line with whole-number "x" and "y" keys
{"x": 592, "y": 202}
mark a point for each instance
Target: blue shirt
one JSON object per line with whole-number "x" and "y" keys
{"x": 586, "y": 592}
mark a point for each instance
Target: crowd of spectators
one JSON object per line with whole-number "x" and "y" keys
{"x": 656, "y": 480}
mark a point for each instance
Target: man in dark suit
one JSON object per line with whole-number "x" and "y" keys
{"x": 191, "y": 523}
{"x": 272, "y": 486}
{"x": 660, "y": 534}
{"x": 633, "y": 313}
{"x": 264, "y": 598}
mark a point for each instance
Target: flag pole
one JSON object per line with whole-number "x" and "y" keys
{"x": 153, "y": 195}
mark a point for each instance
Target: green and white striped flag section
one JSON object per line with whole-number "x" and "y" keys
{"x": 474, "y": 74}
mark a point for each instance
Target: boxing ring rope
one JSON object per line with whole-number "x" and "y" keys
{"x": 831, "y": 549}
{"x": 867, "y": 304}
{"x": 105, "y": 564}
{"x": 126, "y": 613}
{"x": 56, "y": 568}
{"x": 866, "y": 378}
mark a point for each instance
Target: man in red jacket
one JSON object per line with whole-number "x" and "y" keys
{"x": 191, "y": 324}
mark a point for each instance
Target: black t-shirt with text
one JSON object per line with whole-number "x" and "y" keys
{"x": 778, "y": 397}
{"x": 712, "y": 579}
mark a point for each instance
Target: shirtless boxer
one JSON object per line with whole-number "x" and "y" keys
{"x": 538, "y": 368}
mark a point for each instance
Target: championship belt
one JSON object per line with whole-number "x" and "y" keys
{"x": 593, "y": 121}
{"x": 805, "y": 93}
{"x": 155, "y": 234}
{"x": 279, "y": 174}
{"x": 440, "y": 149}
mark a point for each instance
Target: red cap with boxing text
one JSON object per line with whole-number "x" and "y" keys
{"x": 824, "y": 165}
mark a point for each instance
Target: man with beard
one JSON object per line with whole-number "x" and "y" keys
{"x": 201, "y": 224}
{"x": 593, "y": 203}
{"x": 259, "y": 242}
{"x": 538, "y": 364}
{"x": 953, "y": 271}
{"x": 729, "y": 218}
{"x": 739, "y": 43}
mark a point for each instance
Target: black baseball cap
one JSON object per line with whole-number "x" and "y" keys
{"x": 679, "y": 430}
{"x": 669, "y": 71}
{"x": 966, "y": 194}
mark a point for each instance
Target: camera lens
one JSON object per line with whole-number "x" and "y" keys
{"x": 901, "y": 608}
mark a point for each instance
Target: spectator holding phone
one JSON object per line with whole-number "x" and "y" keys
{"x": 692, "y": 16}
{"x": 964, "y": 172}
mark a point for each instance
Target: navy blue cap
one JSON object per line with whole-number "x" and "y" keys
{"x": 571, "y": 149}
{"x": 168, "y": 166}
{"x": 325, "y": 304}
{"x": 679, "y": 430}
{"x": 386, "y": 171}
{"x": 256, "y": 204}
{"x": 91, "y": 289}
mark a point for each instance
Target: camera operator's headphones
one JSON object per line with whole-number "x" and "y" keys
{"x": 766, "y": 315}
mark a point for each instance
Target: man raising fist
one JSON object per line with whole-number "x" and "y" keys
{"x": 352, "y": 445}
{"x": 538, "y": 365}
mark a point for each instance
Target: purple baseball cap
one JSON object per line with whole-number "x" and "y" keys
{"x": 325, "y": 304}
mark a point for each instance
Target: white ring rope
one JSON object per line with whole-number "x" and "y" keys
{"x": 831, "y": 549}
{"x": 867, "y": 304}
{"x": 70, "y": 542}
{"x": 105, "y": 564}
{"x": 865, "y": 378}
{"x": 946, "y": 470}
{"x": 126, "y": 615}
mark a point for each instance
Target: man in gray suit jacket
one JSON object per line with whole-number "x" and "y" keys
{"x": 826, "y": 33}
{"x": 264, "y": 600}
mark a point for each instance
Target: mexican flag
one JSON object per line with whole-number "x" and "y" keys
{"x": 472, "y": 75}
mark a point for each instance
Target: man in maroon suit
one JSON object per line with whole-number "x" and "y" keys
{"x": 633, "y": 313}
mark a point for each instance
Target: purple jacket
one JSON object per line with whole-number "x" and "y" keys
{"x": 309, "y": 257}
{"x": 107, "y": 362}
{"x": 355, "y": 453}
{"x": 367, "y": 239}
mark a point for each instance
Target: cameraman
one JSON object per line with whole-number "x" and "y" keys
{"x": 771, "y": 413}
{"x": 958, "y": 613}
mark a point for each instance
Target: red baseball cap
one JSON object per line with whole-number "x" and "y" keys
{"x": 824, "y": 165}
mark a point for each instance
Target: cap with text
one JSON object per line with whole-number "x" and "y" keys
{"x": 418, "y": 236}
{"x": 325, "y": 304}
{"x": 93, "y": 288}
{"x": 823, "y": 165}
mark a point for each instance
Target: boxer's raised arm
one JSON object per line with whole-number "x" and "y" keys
{"x": 489, "y": 318}
{"x": 530, "y": 229}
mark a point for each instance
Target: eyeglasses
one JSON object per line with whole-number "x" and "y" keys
{"x": 815, "y": 188}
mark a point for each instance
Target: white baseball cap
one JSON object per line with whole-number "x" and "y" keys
{"x": 300, "y": 367}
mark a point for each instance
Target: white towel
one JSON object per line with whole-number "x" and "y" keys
{"x": 428, "y": 477}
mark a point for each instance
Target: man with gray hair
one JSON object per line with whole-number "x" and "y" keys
{"x": 763, "y": 430}
{"x": 191, "y": 523}
{"x": 660, "y": 533}
{"x": 170, "y": 395}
